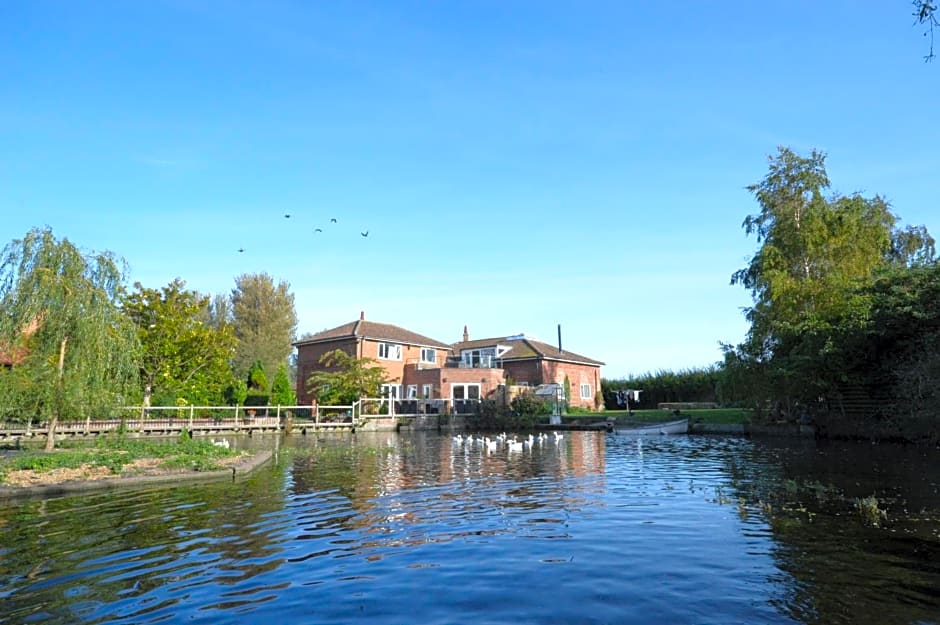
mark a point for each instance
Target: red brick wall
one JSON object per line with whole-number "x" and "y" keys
{"x": 308, "y": 361}
{"x": 554, "y": 371}
{"x": 394, "y": 369}
{"x": 442, "y": 379}
{"x": 488, "y": 379}
{"x": 527, "y": 371}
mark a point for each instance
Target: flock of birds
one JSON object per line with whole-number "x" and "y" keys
{"x": 503, "y": 440}
{"x": 333, "y": 220}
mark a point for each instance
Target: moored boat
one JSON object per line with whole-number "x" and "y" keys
{"x": 679, "y": 426}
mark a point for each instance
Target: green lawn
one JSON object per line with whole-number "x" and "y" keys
{"x": 709, "y": 415}
{"x": 117, "y": 452}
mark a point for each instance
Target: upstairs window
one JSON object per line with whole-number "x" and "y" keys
{"x": 428, "y": 355}
{"x": 389, "y": 351}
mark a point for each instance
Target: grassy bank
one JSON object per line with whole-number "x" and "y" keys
{"x": 115, "y": 456}
{"x": 708, "y": 416}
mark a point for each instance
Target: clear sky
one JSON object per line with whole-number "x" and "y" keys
{"x": 517, "y": 165}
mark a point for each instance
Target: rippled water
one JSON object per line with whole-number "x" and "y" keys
{"x": 413, "y": 529}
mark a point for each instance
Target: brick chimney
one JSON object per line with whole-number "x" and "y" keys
{"x": 466, "y": 334}
{"x": 362, "y": 315}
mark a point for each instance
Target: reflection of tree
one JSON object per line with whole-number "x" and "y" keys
{"x": 844, "y": 570}
{"x": 132, "y": 544}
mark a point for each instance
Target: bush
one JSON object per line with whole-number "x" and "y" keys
{"x": 528, "y": 405}
{"x": 256, "y": 398}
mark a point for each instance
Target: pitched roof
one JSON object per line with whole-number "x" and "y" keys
{"x": 372, "y": 330}
{"x": 523, "y": 348}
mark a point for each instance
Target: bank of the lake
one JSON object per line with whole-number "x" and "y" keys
{"x": 118, "y": 462}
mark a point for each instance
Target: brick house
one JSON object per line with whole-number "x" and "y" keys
{"x": 528, "y": 362}
{"x": 423, "y": 368}
{"x": 14, "y": 353}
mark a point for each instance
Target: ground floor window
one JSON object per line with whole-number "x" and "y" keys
{"x": 426, "y": 391}
{"x": 464, "y": 391}
{"x": 586, "y": 391}
{"x": 392, "y": 391}
{"x": 412, "y": 391}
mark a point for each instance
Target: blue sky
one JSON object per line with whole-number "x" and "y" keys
{"x": 518, "y": 165}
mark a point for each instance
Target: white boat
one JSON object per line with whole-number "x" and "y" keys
{"x": 679, "y": 426}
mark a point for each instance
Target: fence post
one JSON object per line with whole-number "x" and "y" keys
{"x": 191, "y": 410}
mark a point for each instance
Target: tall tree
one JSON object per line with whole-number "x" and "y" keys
{"x": 77, "y": 352}
{"x": 218, "y": 311}
{"x": 813, "y": 250}
{"x": 183, "y": 356}
{"x": 264, "y": 320}
{"x": 808, "y": 278}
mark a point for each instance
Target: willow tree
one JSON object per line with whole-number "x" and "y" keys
{"x": 76, "y": 352}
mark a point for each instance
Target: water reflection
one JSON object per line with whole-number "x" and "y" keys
{"x": 599, "y": 528}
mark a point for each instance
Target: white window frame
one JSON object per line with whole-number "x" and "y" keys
{"x": 391, "y": 391}
{"x": 586, "y": 394}
{"x": 484, "y": 357}
{"x": 412, "y": 391}
{"x": 429, "y": 355}
{"x": 466, "y": 386}
{"x": 426, "y": 391}
{"x": 389, "y": 351}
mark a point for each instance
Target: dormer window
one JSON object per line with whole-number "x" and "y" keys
{"x": 389, "y": 351}
{"x": 478, "y": 357}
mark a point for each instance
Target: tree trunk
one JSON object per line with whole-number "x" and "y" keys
{"x": 50, "y": 435}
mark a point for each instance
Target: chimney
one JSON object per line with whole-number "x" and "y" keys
{"x": 559, "y": 337}
{"x": 362, "y": 315}
{"x": 466, "y": 335}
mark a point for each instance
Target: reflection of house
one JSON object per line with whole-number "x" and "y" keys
{"x": 423, "y": 368}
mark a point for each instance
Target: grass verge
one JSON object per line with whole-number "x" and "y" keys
{"x": 116, "y": 454}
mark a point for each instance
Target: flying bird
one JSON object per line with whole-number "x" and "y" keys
{"x": 318, "y": 230}
{"x": 240, "y": 250}
{"x": 365, "y": 234}
{"x": 286, "y": 215}
{"x": 333, "y": 220}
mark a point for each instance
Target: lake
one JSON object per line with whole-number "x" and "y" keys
{"x": 412, "y": 528}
